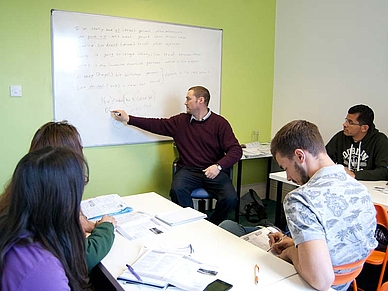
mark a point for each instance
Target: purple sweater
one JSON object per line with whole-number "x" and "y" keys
{"x": 199, "y": 143}
{"x": 30, "y": 267}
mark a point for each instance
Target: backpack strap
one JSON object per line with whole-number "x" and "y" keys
{"x": 252, "y": 193}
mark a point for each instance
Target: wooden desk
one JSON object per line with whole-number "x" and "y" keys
{"x": 281, "y": 177}
{"x": 234, "y": 256}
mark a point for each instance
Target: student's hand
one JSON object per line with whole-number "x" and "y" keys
{"x": 287, "y": 254}
{"x": 86, "y": 224}
{"x": 120, "y": 115}
{"x": 107, "y": 218}
{"x": 279, "y": 242}
{"x": 350, "y": 173}
{"x": 211, "y": 172}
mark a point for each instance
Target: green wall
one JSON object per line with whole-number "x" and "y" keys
{"x": 247, "y": 83}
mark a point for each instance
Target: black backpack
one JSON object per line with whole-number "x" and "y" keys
{"x": 381, "y": 236}
{"x": 252, "y": 207}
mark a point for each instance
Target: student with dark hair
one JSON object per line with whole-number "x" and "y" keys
{"x": 101, "y": 237}
{"x": 360, "y": 147}
{"x": 42, "y": 245}
{"x": 207, "y": 147}
{"x": 57, "y": 134}
{"x": 100, "y": 240}
{"x": 331, "y": 216}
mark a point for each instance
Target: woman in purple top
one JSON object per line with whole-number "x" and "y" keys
{"x": 42, "y": 245}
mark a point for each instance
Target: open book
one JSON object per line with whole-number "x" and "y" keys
{"x": 157, "y": 267}
{"x": 130, "y": 224}
{"x": 111, "y": 204}
{"x": 260, "y": 237}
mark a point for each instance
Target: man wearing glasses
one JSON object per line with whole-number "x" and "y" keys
{"x": 360, "y": 147}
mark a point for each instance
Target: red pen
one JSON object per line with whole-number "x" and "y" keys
{"x": 256, "y": 274}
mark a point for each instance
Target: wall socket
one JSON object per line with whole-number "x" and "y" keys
{"x": 15, "y": 91}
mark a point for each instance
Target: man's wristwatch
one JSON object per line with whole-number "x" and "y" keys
{"x": 219, "y": 167}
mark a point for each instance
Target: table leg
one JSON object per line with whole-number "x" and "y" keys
{"x": 239, "y": 174}
{"x": 279, "y": 196}
{"x": 268, "y": 184}
{"x": 102, "y": 279}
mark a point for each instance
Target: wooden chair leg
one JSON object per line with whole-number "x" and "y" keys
{"x": 354, "y": 283}
{"x": 381, "y": 275}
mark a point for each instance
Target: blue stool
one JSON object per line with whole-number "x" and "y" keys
{"x": 201, "y": 194}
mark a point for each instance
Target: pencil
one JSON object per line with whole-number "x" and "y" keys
{"x": 270, "y": 249}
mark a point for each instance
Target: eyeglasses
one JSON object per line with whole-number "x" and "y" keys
{"x": 86, "y": 179}
{"x": 351, "y": 122}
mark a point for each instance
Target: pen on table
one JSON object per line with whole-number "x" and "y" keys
{"x": 270, "y": 249}
{"x": 134, "y": 273}
{"x": 256, "y": 268}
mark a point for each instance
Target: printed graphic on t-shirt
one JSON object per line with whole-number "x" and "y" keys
{"x": 357, "y": 160}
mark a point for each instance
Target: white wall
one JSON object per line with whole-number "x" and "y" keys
{"x": 330, "y": 55}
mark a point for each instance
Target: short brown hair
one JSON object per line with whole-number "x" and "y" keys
{"x": 297, "y": 134}
{"x": 200, "y": 91}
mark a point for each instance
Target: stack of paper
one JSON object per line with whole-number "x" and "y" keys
{"x": 257, "y": 149}
{"x": 180, "y": 216}
{"x": 381, "y": 189}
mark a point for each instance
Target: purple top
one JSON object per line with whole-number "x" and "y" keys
{"x": 200, "y": 143}
{"x": 30, "y": 267}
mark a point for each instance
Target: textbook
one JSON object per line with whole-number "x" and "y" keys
{"x": 259, "y": 237}
{"x": 130, "y": 224}
{"x": 158, "y": 268}
{"x": 111, "y": 204}
{"x": 180, "y": 216}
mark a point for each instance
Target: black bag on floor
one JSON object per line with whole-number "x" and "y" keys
{"x": 252, "y": 207}
{"x": 381, "y": 236}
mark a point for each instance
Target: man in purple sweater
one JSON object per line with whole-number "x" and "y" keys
{"x": 207, "y": 147}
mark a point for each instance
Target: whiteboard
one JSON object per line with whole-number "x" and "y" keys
{"x": 101, "y": 63}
